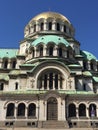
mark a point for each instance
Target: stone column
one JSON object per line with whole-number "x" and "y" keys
{"x": 45, "y": 51}
{"x": 45, "y": 25}
{"x": 88, "y": 65}
{"x": 42, "y": 83}
{"x": 87, "y": 112}
{"x": 54, "y": 25}
{"x": 96, "y": 111}
{"x": 67, "y": 30}
{"x": 47, "y": 81}
{"x": 53, "y": 81}
{"x": 58, "y": 81}
{"x": 9, "y": 64}
{"x": 15, "y": 112}
{"x": 55, "y": 51}
{"x": 62, "y": 27}
{"x": 37, "y": 26}
{"x": 32, "y": 29}
{"x": 26, "y": 112}
{"x": 35, "y": 49}
{"x": 77, "y": 112}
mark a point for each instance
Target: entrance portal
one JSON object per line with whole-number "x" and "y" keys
{"x": 52, "y": 109}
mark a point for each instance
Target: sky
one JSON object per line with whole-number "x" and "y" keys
{"x": 83, "y": 14}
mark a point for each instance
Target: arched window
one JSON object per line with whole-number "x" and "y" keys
{"x": 50, "y": 25}
{"x": 42, "y": 26}
{"x": 5, "y": 64}
{"x": 64, "y": 28}
{"x": 72, "y": 110}
{"x": 60, "y": 52}
{"x": 14, "y": 64}
{"x": 50, "y": 80}
{"x": 34, "y": 27}
{"x": 82, "y": 110}
{"x": 92, "y": 110}
{"x": 41, "y": 51}
{"x": 50, "y": 51}
{"x": 32, "y": 110}
{"x": 10, "y": 110}
{"x": 1, "y": 86}
{"x": 21, "y": 109}
{"x": 58, "y": 27}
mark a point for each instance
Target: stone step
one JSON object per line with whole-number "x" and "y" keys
{"x": 54, "y": 124}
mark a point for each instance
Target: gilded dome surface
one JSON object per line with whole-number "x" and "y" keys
{"x": 53, "y": 15}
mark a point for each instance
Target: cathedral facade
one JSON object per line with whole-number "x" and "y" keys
{"x": 49, "y": 81}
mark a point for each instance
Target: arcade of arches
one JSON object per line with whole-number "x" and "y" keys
{"x": 31, "y": 111}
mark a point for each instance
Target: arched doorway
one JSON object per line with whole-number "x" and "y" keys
{"x": 52, "y": 109}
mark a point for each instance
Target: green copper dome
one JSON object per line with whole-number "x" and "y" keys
{"x": 88, "y": 55}
{"x": 50, "y": 39}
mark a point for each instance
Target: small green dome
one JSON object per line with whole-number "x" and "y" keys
{"x": 88, "y": 55}
{"x": 50, "y": 38}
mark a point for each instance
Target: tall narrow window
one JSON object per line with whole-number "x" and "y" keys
{"x": 5, "y": 64}
{"x": 41, "y": 51}
{"x": 92, "y": 67}
{"x": 45, "y": 81}
{"x": 84, "y": 87}
{"x": 21, "y": 109}
{"x": 10, "y": 110}
{"x": 33, "y": 53}
{"x": 14, "y": 64}
{"x": 60, "y": 52}
{"x": 35, "y": 28}
{"x": 1, "y": 86}
{"x": 60, "y": 82}
{"x": 72, "y": 110}
{"x": 58, "y": 27}
{"x": 67, "y": 53}
{"x": 85, "y": 65}
{"x": 56, "y": 81}
{"x": 32, "y": 110}
{"x": 82, "y": 110}
{"x": 50, "y": 25}
{"x": 51, "y": 80}
{"x": 50, "y": 51}
{"x": 16, "y": 86}
{"x": 42, "y": 26}
{"x": 92, "y": 110}
{"x": 64, "y": 28}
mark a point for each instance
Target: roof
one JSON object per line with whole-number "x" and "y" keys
{"x": 4, "y": 77}
{"x": 8, "y": 53}
{"x": 95, "y": 79}
{"x": 87, "y": 73}
{"x": 50, "y": 14}
{"x": 50, "y": 38}
{"x": 88, "y": 56}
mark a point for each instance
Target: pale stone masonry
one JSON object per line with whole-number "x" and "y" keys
{"x": 49, "y": 82}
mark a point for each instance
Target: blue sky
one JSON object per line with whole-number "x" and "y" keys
{"x": 83, "y": 14}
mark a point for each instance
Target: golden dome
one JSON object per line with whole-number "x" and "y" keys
{"x": 47, "y": 15}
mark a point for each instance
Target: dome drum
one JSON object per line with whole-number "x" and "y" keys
{"x": 49, "y": 21}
